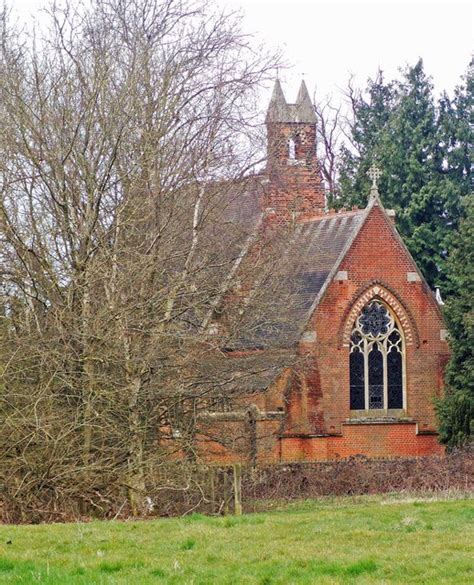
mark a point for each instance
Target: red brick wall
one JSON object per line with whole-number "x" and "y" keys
{"x": 316, "y": 425}
{"x": 294, "y": 186}
{"x": 378, "y": 255}
{"x": 304, "y": 412}
{"x": 230, "y": 441}
{"x": 378, "y": 440}
{"x": 371, "y": 440}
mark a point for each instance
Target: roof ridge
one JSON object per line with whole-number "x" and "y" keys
{"x": 336, "y": 214}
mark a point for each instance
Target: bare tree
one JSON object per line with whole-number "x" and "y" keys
{"x": 126, "y": 136}
{"x": 330, "y": 137}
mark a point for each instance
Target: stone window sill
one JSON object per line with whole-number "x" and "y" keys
{"x": 379, "y": 416}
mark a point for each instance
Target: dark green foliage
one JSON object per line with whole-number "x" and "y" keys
{"x": 371, "y": 114}
{"x": 456, "y": 411}
{"x": 456, "y": 418}
{"x": 423, "y": 150}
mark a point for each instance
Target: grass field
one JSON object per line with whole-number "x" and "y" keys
{"x": 345, "y": 540}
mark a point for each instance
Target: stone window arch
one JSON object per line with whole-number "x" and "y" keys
{"x": 377, "y": 360}
{"x": 377, "y": 290}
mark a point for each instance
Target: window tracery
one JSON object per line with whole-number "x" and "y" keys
{"x": 376, "y": 360}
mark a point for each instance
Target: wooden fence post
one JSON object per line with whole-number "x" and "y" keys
{"x": 238, "y": 489}
{"x": 212, "y": 488}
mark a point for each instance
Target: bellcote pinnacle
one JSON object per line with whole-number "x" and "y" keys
{"x": 304, "y": 107}
{"x": 279, "y": 111}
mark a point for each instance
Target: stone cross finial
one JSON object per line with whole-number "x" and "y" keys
{"x": 374, "y": 173}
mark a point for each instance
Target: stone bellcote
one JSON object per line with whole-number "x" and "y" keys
{"x": 294, "y": 185}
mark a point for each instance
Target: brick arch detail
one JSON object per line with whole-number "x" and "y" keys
{"x": 362, "y": 297}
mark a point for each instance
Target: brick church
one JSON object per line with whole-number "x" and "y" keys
{"x": 358, "y": 362}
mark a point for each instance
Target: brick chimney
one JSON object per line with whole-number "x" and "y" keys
{"x": 294, "y": 186}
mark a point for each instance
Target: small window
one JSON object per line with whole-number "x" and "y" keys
{"x": 292, "y": 149}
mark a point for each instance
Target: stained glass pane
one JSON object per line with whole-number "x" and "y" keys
{"x": 357, "y": 391}
{"x": 376, "y": 342}
{"x": 374, "y": 319}
{"x": 394, "y": 337}
{"x": 375, "y": 378}
{"x": 395, "y": 379}
{"x": 356, "y": 338}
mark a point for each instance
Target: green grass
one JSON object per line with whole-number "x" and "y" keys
{"x": 344, "y": 540}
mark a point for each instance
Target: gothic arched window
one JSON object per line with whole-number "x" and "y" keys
{"x": 376, "y": 360}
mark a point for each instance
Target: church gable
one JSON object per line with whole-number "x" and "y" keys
{"x": 378, "y": 255}
{"x": 378, "y": 270}
{"x": 351, "y": 342}
{"x": 380, "y": 246}
{"x": 378, "y": 265}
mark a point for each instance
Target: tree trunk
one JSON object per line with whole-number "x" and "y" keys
{"x": 136, "y": 475}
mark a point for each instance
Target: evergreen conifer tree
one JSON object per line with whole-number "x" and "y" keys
{"x": 456, "y": 411}
{"x": 422, "y": 149}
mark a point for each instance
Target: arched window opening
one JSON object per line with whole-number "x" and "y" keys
{"x": 376, "y": 361}
{"x": 292, "y": 149}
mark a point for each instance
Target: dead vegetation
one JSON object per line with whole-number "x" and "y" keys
{"x": 126, "y": 141}
{"x": 184, "y": 488}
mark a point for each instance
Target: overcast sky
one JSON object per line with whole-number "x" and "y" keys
{"x": 328, "y": 40}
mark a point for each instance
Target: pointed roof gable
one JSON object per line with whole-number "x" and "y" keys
{"x": 304, "y": 106}
{"x": 278, "y": 110}
{"x": 314, "y": 254}
{"x": 374, "y": 202}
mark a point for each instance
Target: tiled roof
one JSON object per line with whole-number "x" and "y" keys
{"x": 311, "y": 255}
